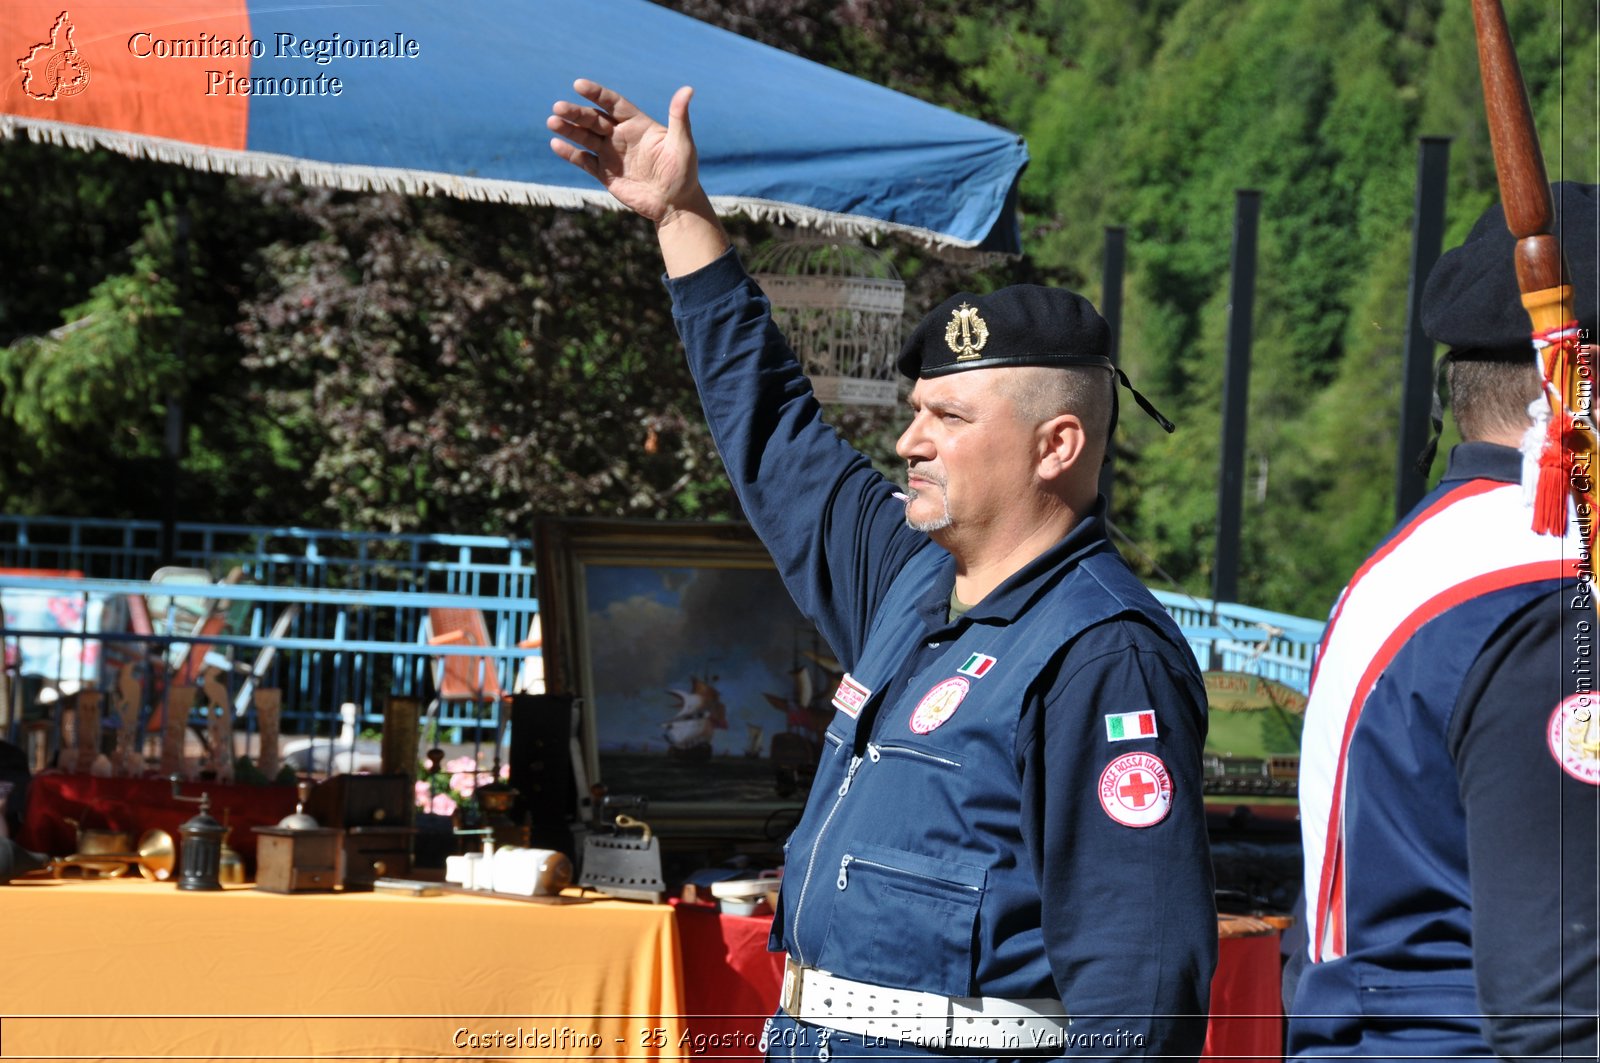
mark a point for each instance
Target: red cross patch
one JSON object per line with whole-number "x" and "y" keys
{"x": 1135, "y": 790}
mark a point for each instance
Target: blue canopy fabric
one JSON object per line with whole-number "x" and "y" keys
{"x": 437, "y": 98}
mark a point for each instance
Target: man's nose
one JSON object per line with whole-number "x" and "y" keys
{"x": 914, "y": 442}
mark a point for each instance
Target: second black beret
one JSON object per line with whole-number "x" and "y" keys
{"x": 1471, "y": 299}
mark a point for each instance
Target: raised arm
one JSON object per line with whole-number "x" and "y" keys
{"x": 652, "y": 169}
{"x": 832, "y": 524}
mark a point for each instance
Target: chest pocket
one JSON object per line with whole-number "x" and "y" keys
{"x": 919, "y": 753}
{"x": 891, "y": 906}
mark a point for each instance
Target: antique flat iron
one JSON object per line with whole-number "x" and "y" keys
{"x": 624, "y": 865}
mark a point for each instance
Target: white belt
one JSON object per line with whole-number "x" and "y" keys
{"x": 931, "y": 1020}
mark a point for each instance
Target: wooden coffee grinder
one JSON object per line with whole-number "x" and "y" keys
{"x": 373, "y": 815}
{"x": 298, "y": 855}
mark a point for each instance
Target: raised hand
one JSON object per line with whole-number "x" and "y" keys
{"x": 650, "y": 168}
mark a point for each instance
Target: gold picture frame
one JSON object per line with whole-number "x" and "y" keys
{"x": 703, "y": 689}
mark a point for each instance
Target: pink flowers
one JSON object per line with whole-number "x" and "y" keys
{"x": 464, "y": 775}
{"x": 445, "y": 792}
{"x": 438, "y": 804}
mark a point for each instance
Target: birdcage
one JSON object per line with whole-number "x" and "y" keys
{"x": 839, "y": 304}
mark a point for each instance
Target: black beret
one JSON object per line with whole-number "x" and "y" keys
{"x": 1471, "y": 299}
{"x": 1025, "y": 324}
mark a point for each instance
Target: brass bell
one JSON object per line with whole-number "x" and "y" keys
{"x": 230, "y": 866}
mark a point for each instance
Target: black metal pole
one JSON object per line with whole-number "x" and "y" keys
{"x": 171, "y": 459}
{"x": 1416, "y": 391}
{"x": 172, "y": 443}
{"x": 1236, "y": 394}
{"x": 1111, "y": 310}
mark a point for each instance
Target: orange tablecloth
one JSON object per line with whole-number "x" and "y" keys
{"x": 131, "y": 969}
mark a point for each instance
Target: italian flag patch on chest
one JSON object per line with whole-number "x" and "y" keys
{"x": 976, "y": 665}
{"x": 1121, "y": 726}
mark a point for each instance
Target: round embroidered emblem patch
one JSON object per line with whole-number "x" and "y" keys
{"x": 1573, "y": 736}
{"x": 937, "y": 704}
{"x": 1135, "y": 790}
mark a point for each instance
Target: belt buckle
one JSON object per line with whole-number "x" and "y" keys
{"x": 789, "y": 996}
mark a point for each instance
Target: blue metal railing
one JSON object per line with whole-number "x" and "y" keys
{"x": 1242, "y": 638}
{"x": 307, "y": 557}
{"x": 359, "y": 634}
{"x": 317, "y": 670}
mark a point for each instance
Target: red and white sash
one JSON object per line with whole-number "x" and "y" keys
{"x": 1473, "y": 540}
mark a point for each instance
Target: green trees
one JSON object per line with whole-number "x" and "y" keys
{"x": 1151, "y": 115}
{"x": 432, "y": 365}
{"x": 124, "y": 281}
{"x": 465, "y": 367}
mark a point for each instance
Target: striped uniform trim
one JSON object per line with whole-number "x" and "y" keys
{"x": 1472, "y": 541}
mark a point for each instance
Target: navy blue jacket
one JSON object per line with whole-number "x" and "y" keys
{"x": 955, "y": 839}
{"x": 1466, "y": 906}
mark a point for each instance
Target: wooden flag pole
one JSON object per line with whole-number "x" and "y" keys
{"x": 1566, "y": 466}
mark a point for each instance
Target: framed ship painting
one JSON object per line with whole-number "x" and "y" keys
{"x": 704, "y": 690}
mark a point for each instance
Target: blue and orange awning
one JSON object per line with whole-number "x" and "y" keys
{"x": 450, "y": 98}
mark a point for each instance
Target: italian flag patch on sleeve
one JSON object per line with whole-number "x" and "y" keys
{"x": 1121, "y": 726}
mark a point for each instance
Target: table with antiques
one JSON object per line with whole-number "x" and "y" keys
{"x": 131, "y": 968}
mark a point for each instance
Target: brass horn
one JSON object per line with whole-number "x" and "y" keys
{"x": 158, "y": 856}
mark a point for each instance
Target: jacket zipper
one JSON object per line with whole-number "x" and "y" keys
{"x": 849, "y": 858}
{"x": 876, "y": 752}
{"x": 805, "y": 883}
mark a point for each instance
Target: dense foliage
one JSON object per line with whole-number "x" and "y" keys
{"x": 380, "y": 362}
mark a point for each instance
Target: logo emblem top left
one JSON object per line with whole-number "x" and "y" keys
{"x": 54, "y": 69}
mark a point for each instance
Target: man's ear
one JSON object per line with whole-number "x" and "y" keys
{"x": 1063, "y": 445}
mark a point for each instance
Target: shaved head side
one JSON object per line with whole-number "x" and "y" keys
{"x": 1490, "y": 397}
{"x": 1040, "y": 393}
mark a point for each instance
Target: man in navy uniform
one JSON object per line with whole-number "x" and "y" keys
{"x": 1448, "y": 784}
{"x": 1004, "y": 851}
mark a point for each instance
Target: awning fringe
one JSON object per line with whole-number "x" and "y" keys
{"x": 353, "y": 178}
